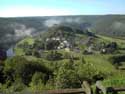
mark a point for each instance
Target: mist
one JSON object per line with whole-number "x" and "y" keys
{"x": 52, "y": 21}
{"x": 20, "y": 31}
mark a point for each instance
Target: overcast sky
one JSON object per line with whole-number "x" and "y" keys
{"x": 19, "y": 8}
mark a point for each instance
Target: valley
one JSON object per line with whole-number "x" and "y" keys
{"x": 60, "y": 52}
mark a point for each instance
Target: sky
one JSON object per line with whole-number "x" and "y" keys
{"x": 21, "y": 8}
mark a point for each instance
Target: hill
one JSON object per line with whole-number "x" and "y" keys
{"x": 15, "y": 29}
{"x": 63, "y": 56}
{"x": 59, "y": 37}
{"x": 113, "y": 26}
{"x": 82, "y": 47}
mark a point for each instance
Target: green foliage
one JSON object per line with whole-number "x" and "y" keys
{"x": 54, "y": 55}
{"x": 66, "y": 76}
{"x": 17, "y": 86}
{"x": 71, "y": 74}
{"x": 39, "y": 44}
{"x": 52, "y": 44}
{"x": 86, "y": 71}
{"x": 19, "y": 68}
{"x": 38, "y": 77}
{"x": 115, "y": 80}
{"x": 117, "y": 60}
{"x": 35, "y": 53}
{"x": 38, "y": 82}
{"x": 28, "y": 52}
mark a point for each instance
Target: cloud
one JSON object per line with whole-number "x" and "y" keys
{"x": 29, "y": 11}
{"x": 50, "y": 22}
{"x": 73, "y": 20}
{"x": 20, "y": 31}
{"x": 118, "y": 25}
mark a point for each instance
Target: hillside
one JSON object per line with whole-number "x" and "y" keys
{"x": 62, "y": 57}
{"x": 111, "y": 26}
{"x": 60, "y": 37}
{"x": 15, "y": 29}
{"x": 86, "y": 48}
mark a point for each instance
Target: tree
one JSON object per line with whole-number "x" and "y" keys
{"x": 28, "y": 52}
{"x": 38, "y": 78}
{"x": 39, "y": 44}
{"x": 36, "y": 53}
{"x": 67, "y": 76}
{"x": 19, "y": 68}
{"x": 54, "y": 55}
{"x": 52, "y": 44}
{"x": 86, "y": 71}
